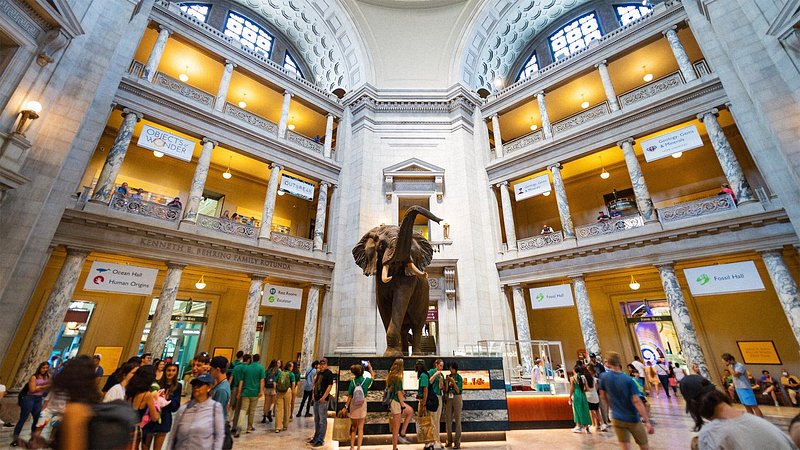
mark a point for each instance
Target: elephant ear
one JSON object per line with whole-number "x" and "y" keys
{"x": 365, "y": 252}
{"x": 421, "y": 251}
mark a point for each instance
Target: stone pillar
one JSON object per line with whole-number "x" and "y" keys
{"x": 785, "y": 287}
{"x": 588, "y": 329}
{"x": 727, "y": 159}
{"x": 284, "y": 122}
{"x": 508, "y": 216}
{"x": 690, "y": 346}
{"x": 104, "y": 188}
{"x": 561, "y": 201}
{"x": 151, "y": 67}
{"x": 643, "y": 201}
{"x": 319, "y": 222}
{"x": 498, "y": 139}
{"x": 547, "y": 129}
{"x": 199, "y": 181}
{"x": 269, "y": 201}
{"x": 523, "y": 329}
{"x": 310, "y": 325}
{"x": 608, "y": 87}
{"x": 684, "y": 63}
{"x": 224, "y": 84}
{"x": 160, "y": 325}
{"x": 45, "y": 333}
{"x": 247, "y": 336}
{"x": 326, "y": 152}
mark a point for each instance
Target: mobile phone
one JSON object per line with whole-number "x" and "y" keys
{"x": 364, "y": 363}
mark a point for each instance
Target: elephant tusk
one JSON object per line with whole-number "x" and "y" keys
{"x": 416, "y": 270}
{"x": 385, "y": 275}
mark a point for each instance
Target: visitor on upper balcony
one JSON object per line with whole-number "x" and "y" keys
{"x": 252, "y": 221}
{"x": 235, "y": 217}
{"x": 175, "y": 203}
{"x": 602, "y": 216}
{"x": 615, "y": 212}
{"x": 137, "y": 194}
{"x": 726, "y": 189}
{"x": 123, "y": 189}
{"x": 225, "y": 215}
{"x": 546, "y": 229}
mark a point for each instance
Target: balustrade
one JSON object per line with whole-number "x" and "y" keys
{"x": 540, "y": 241}
{"x": 610, "y": 226}
{"x": 291, "y": 241}
{"x": 524, "y": 141}
{"x": 581, "y": 118}
{"x": 303, "y": 141}
{"x": 697, "y": 208}
{"x": 227, "y": 226}
{"x": 184, "y": 90}
{"x": 144, "y": 208}
{"x": 651, "y": 89}
{"x": 257, "y": 121}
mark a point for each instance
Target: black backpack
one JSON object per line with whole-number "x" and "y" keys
{"x": 432, "y": 402}
{"x": 112, "y": 425}
{"x": 22, "y": 393}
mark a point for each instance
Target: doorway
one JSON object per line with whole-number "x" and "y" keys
{"x": 261, "y": 342}
{"x": 211, "y": 204}
{"x": 421, "y": 223}
{"x": 187, "y": 325}
{"x": 72, "y": 330}
{"x": 652, "y": 330}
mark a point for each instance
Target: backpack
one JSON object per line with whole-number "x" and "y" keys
{"x": 432, "y": 402}
{"x": 270, "y": 381}
{"x": 358, "y": 395}
{"x": 284, "y": 381}
{"x": 22, "y": 393}
{"x": 111, "y": 426}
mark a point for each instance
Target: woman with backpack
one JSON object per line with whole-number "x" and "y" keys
{"x": 31, "y": 398}
{"x": 138, "y": 395}
{"x": 578, "y": 384}
{"x": 156, "y": 431}
{"x": 308, "y": 389}
{"x": 283, "y": 391}
{"x": 269, "y": 388}
{"x": 199, "y": 424}
{"x": 397, "y": 404}
{"x": 356, "y": 402}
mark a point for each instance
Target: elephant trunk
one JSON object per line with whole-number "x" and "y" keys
{"x": 385, "y": 274}
{"x": 402, "y": 253}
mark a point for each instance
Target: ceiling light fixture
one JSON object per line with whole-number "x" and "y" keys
{"x": 546, "y": 193}
{"x": 677, "y": 155}
{"x": 534, "y": 127}
{"x": 291, "y": 123}
{"x": 184, "y": 77}
{"x": 584, "y": 104}
{"x": 648, "y": 77}
{"x": 157, "y": 154}
{"x": 281, "y": 192}
{"x": 242, "y": 103}
{"x": 634, "y": 285}
{"x": 201, "y": 283}
{"x": 227, "y": 174}
{"x": 604, "y": 174}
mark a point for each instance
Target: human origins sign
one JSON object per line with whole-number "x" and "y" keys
{"x": 667, "y": 144}
{"x": 282, "y": 297}
{"x": 296, "y": 187}
{"x": 558, "y": 296}
{"x": 123, "y": 279}
{"x": 532, "y": 188}
{"x": 165, "y": 142}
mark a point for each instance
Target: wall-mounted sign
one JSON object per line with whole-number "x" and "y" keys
{"x": 759, "y": 352}
{"x": 298, "y": 188}
{"x": 680, "y": 140}
{"x": 724, "y": 278}
{"x": 533, "y": 187}
{"x": 475, "y": 379}
{"x": 165, "y": 142}
{"x": 123, "y": 279}
{"x": 557, "y": 296}
{"x": 282, "y": 297}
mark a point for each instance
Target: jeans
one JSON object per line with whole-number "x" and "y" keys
{"x": 306, "y": 396}
{"x": 31, "y": 405}
{"x": 664, "y": 380}
{"x": 320, "y": 421}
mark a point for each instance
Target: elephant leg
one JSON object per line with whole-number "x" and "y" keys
{"x": 418, "y": 313}
{"x": 416, "y": 340}
{"x": 402, "y": 292}
{"x": 385, "y": 298}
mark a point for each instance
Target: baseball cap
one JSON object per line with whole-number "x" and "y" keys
{"x": 421, "y": 361}
{"x": 693, "y": 386}
{"x": 203, "y": 379}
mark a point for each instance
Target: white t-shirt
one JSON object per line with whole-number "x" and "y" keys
{"x": 745, "y": 432}
{"x": 115, "y": 393}
{"x": 679, "y": 373}
{"x": 639, "y": 368}
{"x": 661, "y": 369}
{"x": 591, "y": 392}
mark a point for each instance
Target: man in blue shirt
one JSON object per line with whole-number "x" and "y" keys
{"x": 627, "y": 410}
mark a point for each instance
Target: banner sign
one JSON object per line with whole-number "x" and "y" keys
{"x": 165, "y": 142}
{"x": 282, "y": 297}
{"x": 724, "y": 278}
{"x": 531, "y": 188}
{"x": 759, "y": 352}
{"x": 551, "y": 297}
{"x": 298, "y": 188}
{"x": 680, "y": 140}
{"x": 123, "y": 279}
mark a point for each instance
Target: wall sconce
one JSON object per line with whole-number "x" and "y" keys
{"x": 546, "y": 193}
{"x": 677, "y": 155}
{"x": 30, "y": 112}
{"x": 634, "y": 285}
{"x": 201, "y": 283}
{"x": 281, "y": 192}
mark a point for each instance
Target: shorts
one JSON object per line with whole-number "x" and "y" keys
{"x": 394, "y": 407}
{"x": 594, "y": 406}
{"x": 269, "y": 391}
{"x": 624, "y": 431}
{"x": 746, "y": 396}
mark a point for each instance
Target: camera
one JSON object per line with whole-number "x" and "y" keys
{"x": 365, "y": 363}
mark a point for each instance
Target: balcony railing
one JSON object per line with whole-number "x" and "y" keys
{"x": 227, "y": 226}
{"x": 609, "y": 226}
{"x": 651, "y": 89}
{"x": 250, "y": 118}
{"x": 543, "y": 240}
{"x": 524, "y": 141}
{"x": 580, "y": 118}
{"x": 291, "y": 241}
{"x": 136, "y": 68}
{"x": 697, "y": 208}
{"x": 184, "y": 90}
{"x": 144, "y": 208}
{"x": 303, "y": 141}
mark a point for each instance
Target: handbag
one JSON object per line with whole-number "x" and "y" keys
{"x": 424, "y": 429}
{"x": 341, "y": 429}
{"x": 387, "y": 398}
{"x": 673, "y": 382}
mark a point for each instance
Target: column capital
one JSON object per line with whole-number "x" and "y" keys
{"x": 713, "y": 111}
{"x": 539, "y": 93}
{"x": 494, "y": 116}
{"x": 629, "y": 140}
{"x": 274, "y": 166}
{"x": 502, "y": 184}
{"x": 228, "y": 61}
{"x": 162, "y": 27}
{"x": 318, "y": 287}
{"x": 331, "y": 115}
{"x": 672, "y": 28}
{"x": 556, "y": 166}
{"x": 665, "y": 264}
{"x": 576, "y": 276}
{"x": 77, "y": 251}
{"x": 288, "y": 92}
{"x": 771, "y": 251}
{"x": 126, "y": 111}
{"x": 175, "y": 265}
{"x": 324, "y": 183}
{"x": 257, "y": 277}
{"x": 206, "y": 140}
{"x": 601, "y": 63}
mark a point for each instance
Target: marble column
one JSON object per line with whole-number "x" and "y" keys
{"x": 160, "y": 327}
{"x": 326, "y": 152}
{"x": 608, "y": 87}
{"x": 785, "y": 286}
{"x": 269, "y": 201}
{"x": 498, "y": 139}
{"x": 224, "y": 84}
{"x": 310, "y": 325}
{"x": 319, "y": 221}
{"x": 523, "y": 329}
{"x": 46, "y": 330}
{"x": 247, "y": 336}
{"x": 151, "y": 67}
{"x": 508, "y": 216}
{"x": 561, "y": 201}
{"x": 547, "y": 129}
{"x": 684, "y": 63}
{"x": 588, "y": 329}
{"x": 687, "y": 336}
{"x": 643, "y": 201}
{"x": 199, "y": 181}
{"x": 284, "y": 121}
{"x": 104, "y": 188}
{"x": 727, "y": 159}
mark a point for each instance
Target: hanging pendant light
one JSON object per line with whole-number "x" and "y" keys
{"x": 604, "y": 174}
{"x": 584, "y": 104}
{"x": 648, "y": 77}
{"x": 291, "y": 123}
{"x": 201, "y": 283}
{"x": 677, "y": 155}
{"x": 533, "y": 125}
{"x": 634, "y": 285}
{"x": 157, "y": 154}
{"x": 242, "y": 103}
{"x": 227, "y": 174}
{"x": 184, "y": 77}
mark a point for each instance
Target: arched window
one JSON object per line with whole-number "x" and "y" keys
{"x": 531, "y": 66}
{"x": 575, "y": 36}
{"x": 291, "y": 65}
{"x": 197, "y": 10}
{"x": 628, "y": 12}
{"x": 249, "y": 34}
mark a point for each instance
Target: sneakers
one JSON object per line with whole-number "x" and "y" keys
{"x": 317, "y": 444}
{"x": 297, "y": 415}
{"x": 403, "y": 440}
{"x": 578, "y": 430}
{"x": 776, "y": 403}
{"x": 277, "y": 430}
{"x": 603, "y": 427}
{"x": 309, "y": 415}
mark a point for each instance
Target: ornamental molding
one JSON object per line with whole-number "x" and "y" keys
{"x": 413, "y": 175}
{"x": 24, "y": 17}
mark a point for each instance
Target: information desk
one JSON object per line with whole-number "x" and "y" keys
{"x": 527, "y": 410}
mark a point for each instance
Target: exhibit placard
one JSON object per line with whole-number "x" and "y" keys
{"x": 119, "y": 278}
{"x": 667, "y": 144}
{"x": 558, "y": 296}
{"x": 533, "y": 187}
{"x": 475, "y": 379}
{"x": 165, "y": 142}
{"x": 282, "y": 297}
{"x": 724, "y": 278}
{"x": 759, "y": 352}
{"x": 296, "y": 187}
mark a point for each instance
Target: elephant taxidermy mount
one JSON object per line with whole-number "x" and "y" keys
{"x": 398, "y": 257}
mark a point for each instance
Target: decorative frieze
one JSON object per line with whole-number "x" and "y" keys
{"x": 184, "y": 90}
{"x": 610, "y": 226}
{"x": 524, "y": 141}
{"x": 543, "y": 240}
{"x": 144, "y": 208}
{"x": 304, "y": 142}
{"x": 697, "y": 208}
{"x": 651, "y": 89}
{"x": 581, "y": 118}
{"x": 227, "y": 226}
{"x": 242, "y": 115}
{"x": 291, "y": 241}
